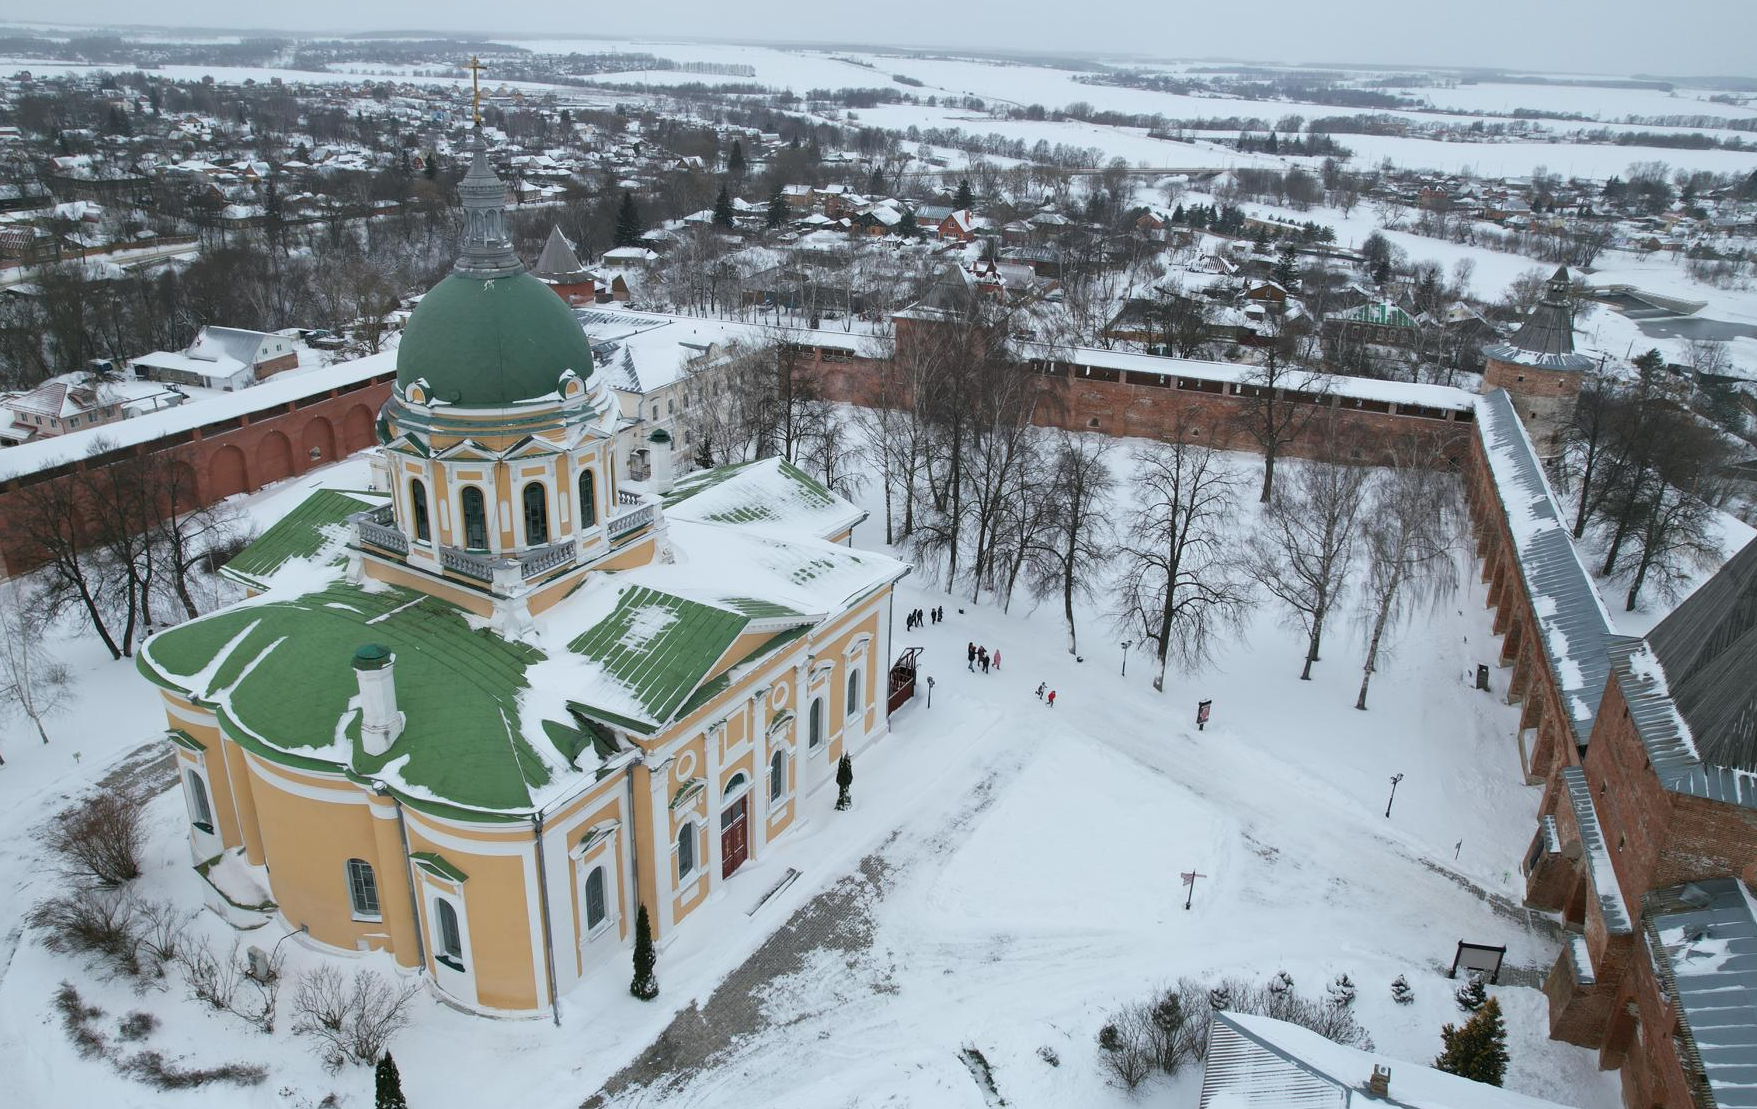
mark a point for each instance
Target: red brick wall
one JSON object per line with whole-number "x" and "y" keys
{"x": 238, "y": 455}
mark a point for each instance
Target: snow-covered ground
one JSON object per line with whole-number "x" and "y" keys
{"x": 1029, "y": 860}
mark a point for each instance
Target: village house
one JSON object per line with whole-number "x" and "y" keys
{"x": 223, "y": 358}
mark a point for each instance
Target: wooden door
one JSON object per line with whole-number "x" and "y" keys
{"x": 734, "y": 836}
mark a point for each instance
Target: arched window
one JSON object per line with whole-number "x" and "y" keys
{"x": 734, "y": 786}
{"x": 200, "y": 813}
{"x": 418, "y": 508}
{"x": 815, "y": 731}
{"x": 449, "y": 943}
{"x": 854, "y": 705}
{"x": 778, "y": 776}
{"x": 362, "y": 889}
{"x": 588, "y": 499}
{"x": 685, "y": 851}
{"x": 596, "y": 910}
{"x": 536, "y": 515}
{"x": 475, "y": 519}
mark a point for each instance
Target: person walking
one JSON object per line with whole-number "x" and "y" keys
{"x": 1052, "y": 698}
{"x": 997, "y": 658}
{"x": 982, "y": 658}
{"x": 971, "y": 657}
{"x": 1040, "y": 686}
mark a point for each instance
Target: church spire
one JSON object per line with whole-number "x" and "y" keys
{"x": 487, "y": 245}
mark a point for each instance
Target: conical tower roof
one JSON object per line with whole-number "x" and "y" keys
{"x": 1546, "y": 339}
{"x": 558, "y": 262}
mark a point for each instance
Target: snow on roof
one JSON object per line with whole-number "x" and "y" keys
{"x": 1598, "y": 856}
{"x": 771, "y": 494}
{"x": 1576, "y": 628}
{"x": 1259, "y": 1061}
{"x": 1707, "y": 947}
{"x": 1394, "y": 392}
{"x": 28, "y": 458}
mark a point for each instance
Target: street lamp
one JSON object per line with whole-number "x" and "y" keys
{"x": 930, "y": 692}
{"x": 1395, "y": 778}
{"x": 1125, "y": 658}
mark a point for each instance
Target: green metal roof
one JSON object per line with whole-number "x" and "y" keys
{"x": 283, "y": 677}
{"x": 658, "y": 648}
{"x": 301, "y": 533}
{"x": 490, "y": 343}
{"x": 437, "y": 863}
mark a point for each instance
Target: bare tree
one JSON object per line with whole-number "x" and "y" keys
{"x": 189, "y": 531}
{"x": 1181, "y": 586}
{"x": 1304, "y": 553}
{"x": 56, "y": 534}
{"x": 33, "y": 683}
{"x": 1072, "y": 546}
{"x": 1277, "y": 400}
{"x": 1585, "y": 441}
{"x": 1411, "y": 536}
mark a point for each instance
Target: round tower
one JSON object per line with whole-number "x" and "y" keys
{"x": 1540, "y": 367}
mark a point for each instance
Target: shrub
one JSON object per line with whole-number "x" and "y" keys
{"x": 76, "y": 1017}
{"x": 645, "y": 984}
{"x": 1165, "y": 1027}
{"x": 137, "y": 1026}
{"x": 225, "y": 982}
{"x": 1125, "y": 1047}
{"x": 99, "y": 840}
{"x": 150, "y": 1067}
{"x": 163, "y": 931}
{"x": 351, "y": 1020}
{"x": 1400, "y": 991}
{"x": 100, "y": 924}
{"x": 1048, "y": 1055}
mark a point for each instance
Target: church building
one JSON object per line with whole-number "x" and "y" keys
{"x": 477, "y": 715}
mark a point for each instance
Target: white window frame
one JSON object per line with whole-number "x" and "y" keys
{"x": 199, "y": 799}
{"x": 592, "y": 931}
{"x": 684, "y": 877}
{"x": 354, "y": 909}
{"x": 785, "y": 794}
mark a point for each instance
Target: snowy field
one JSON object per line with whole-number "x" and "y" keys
{"x": 1018, "y": 879}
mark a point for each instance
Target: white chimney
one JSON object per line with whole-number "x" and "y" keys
{"x": 380, "y": 722}
{"x": 659, "y": 448}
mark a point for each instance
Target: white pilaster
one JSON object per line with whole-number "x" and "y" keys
{"x": 711, "y": 770}
{"x": 757, "y": 725}
{"x": 665, "y": 889}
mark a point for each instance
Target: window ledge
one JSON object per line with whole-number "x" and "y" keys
{"x": 367, "y": 918}
{"x": 448, "y": 961}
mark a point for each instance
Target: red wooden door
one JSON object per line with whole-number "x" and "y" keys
{"x": 734, "y": 836}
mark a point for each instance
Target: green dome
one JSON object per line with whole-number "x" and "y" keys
{"x": 489, "y": 343}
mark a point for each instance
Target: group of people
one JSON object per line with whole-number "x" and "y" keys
{"x": 917, "y": 618}
{"x": 979, "y": 657}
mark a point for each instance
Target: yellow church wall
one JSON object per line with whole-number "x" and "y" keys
{"x": 311, "y": 826}
{"x": 638, "y": 552}
{"x": 243, "y": 796}
{"x": 499, "y": 911}
{"x": 393, "y": 881}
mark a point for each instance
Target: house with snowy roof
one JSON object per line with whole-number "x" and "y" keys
{"x": 223, "y": 358}
{"x": 488, "y": 718}
{"x": 71, "y": 402}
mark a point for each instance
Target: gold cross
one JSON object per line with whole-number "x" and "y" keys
{"x": 476, "y": 67}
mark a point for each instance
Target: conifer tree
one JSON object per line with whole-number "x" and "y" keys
{"x": 876, "y": 186}
{"x": 388, "y": 1085}
{"x": 723, "y": 209}
{"x": 965, "y": 198}
{"x": 735, "y": 160}
{"x": 844, "y": 782}
{"x": 1400, "y": 991}
{"x": 1286, "y": 270}
{"x": 907, "y": 227}
{"x": 646, "y": 984}
{"x": 628, "y": 222}
{"x": 777, "y": 210}
{"x": 1471, "y": 995}
{"x": 1477, "y": 1051}
{"x": 430, "y": 165}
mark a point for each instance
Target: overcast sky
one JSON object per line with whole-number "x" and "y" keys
{"x": 1599, "y": 36}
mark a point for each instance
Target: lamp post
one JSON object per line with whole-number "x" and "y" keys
{"x": 930, "y": 692}
{"x": 1125, "y": 658}
{"x": 1395, "y": 778}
